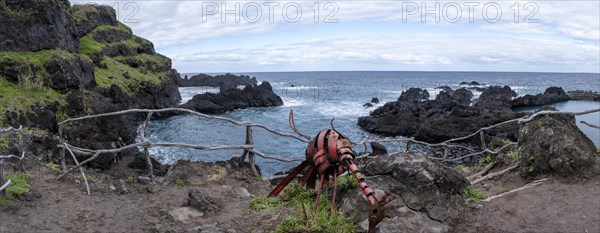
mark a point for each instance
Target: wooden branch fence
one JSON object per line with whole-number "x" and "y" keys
{"x": 21, "y": 133}
{"x": 248, "y": 148}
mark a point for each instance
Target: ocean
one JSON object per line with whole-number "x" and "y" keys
{"x": 318, "y": 97}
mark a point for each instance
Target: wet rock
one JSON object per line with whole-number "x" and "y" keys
{"x": 414, "y": 95}
{"x": 553, "y": 144}
{"x": 184, "y": 214}
{"x": 448, "y": 116}
{"x": 32, "y": 195}
{"x": 229, "y": 99}
{"x": 378, "y": 149}
{"x": 216, "y": 81}
{"x": 368, "y": 105}
{"x": 374, "y": 100}
{"x": 550, "y": 96}
{"x": 201, "y": 201}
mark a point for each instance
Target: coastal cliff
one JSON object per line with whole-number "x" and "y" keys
{"x": 59, "y": 61}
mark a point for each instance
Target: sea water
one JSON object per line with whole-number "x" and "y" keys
{"x": 318, "y": 97}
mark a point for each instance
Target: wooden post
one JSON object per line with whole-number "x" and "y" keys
{"x": 21, "y": 149}
{"x": 482, "y": 138}
{"x": 2, "y": 175}
{"x": 146, "y": 153}
{"x": 249, "y": 141}
{"x": 407, "y": 149}
{"x": 149, "y": 161}
{"x": 63, "y": 163}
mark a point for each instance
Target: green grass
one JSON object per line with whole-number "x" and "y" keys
{"x": 347, "y": 182}
{"x": 89, "y": 46}
{"x": 598, "y": 151}
{"x": 127, "y": 78}
{"x": 179, "y": 181}
{"x": 54, "y": 167}
{"x": 265, "y": 203}
{"x": 467, "y": 169}
{"x": 4, "y": 142}
{"x": 513, "y": 155}
{"x": 485, "y": 161}
{"x": 15, "y": 98}
{"x": 302, "y": 219}
{"x": 19, "y": 184}
{"x": 472, "y": 193}
{"x": 92, "y": 179}
{"x": 4, "y": 201}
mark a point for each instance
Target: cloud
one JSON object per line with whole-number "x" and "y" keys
{"x": 371, "y": 34}
{"x": 415, "y": 51}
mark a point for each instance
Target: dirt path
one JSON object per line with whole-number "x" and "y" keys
{"x": 553, "y": 206}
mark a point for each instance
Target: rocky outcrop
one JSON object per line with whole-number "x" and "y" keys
{"x": 89, "y": 17}
{"x": 26, "y": 26}
{"x": 229, "y": 99}
{"x": 553, "y": 144}
{"x": 450, "y": 115}
{"x": 74, "y": 61}
{"x": 216, "y": 81}
{"x": 550, "y": 96}
{"x": 428, "y": 194}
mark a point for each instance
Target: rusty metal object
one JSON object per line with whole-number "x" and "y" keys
{"x": 330, "y": 154}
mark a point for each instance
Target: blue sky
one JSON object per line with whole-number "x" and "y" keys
{"x": 559, "y": 36}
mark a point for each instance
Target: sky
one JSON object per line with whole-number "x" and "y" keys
{"x": 257, "y": 36}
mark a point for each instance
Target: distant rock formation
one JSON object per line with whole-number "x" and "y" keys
{"x": 550, "y": 96}
{"x": 230, "y": 98}
{"x": 450, "y": 115}
{"x": 217, "y": 80}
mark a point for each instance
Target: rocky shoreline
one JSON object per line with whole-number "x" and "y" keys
{"x": 61, "y": 61}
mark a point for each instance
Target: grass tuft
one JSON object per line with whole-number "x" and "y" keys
{"x": 265, "y": 203}
{"x": 472, "y": 193}
{"x": 302, "y": 219}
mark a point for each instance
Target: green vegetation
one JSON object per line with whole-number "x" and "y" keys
{"x": 127, "y": 78}
{"x": 89, "y": 46}
{"x": 92, "y": 179}
{"x": 302, "y": 219}
{"x": 472, "y": 193}
{"x": 347, "y": 182}
{"x": 179, "y": 181}
{"x": 598, "y": 151}
{"x": 485, "y": 161}
{"x": 19, "y": 185}
{"x": 531, "y": 158}
{"x": 466, "y": 169}
{"x": 15, "y": 98}
{"x": 54, "y": 167}
{"x": 265, "y": 203}
{"x": 31, "y": 75}
{"x": 530, "y": 169}
{"x": 513, "y": 155}
{"x": 4, "y": 143}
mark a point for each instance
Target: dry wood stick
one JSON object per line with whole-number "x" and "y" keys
{"x": 87, "y": 186}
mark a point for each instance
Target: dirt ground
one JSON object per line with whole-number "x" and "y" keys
{"x": 553, "y": 206}
{"x": 65, "y": 206}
